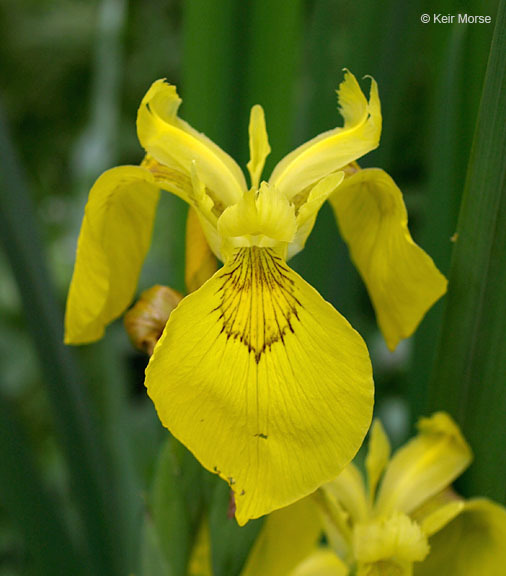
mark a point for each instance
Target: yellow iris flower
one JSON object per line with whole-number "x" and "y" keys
{"x": 260, "y": 377}
{"x": 413, "y": 524}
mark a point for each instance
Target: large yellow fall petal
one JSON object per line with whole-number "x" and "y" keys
{"x": 424, "y": 466}
{"x": 473, "y": 544}
{"x": 265, "y": 382}
{"x": 115, "y": 236}
{"x": 336, "y": 148}
{"x": 172, "y": 141}
{"x": 401, "y": 278}
{"x": 287, "y": 537}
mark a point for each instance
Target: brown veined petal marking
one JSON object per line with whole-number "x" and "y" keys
{"x": 258, "y": 302}
{"x": 264, "y": 381}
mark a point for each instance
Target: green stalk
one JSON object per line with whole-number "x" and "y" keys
{"x": 30, "y": 507}
{"x": 446, "y": 180}
{"x": 469, "y": 376}
{"x": 74, "y": 420}
{"x": 208, "y": 86}
{"x": 273, "y": 38}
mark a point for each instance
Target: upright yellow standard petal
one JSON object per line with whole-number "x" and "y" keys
{"x": 265, "y": 382}
{"x": 474, "y": 544}
{"x": 424, "y": 466}
{"x": 173, "y": 142}
{"x": 287, "y": 537}
{"x": 259, "y": 147}
{"x": 115, "y": 236}
{"x": 336, "y": 148}
{"x": 401, "y": 278}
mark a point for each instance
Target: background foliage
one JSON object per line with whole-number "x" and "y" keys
{"x": 89, "y": 482}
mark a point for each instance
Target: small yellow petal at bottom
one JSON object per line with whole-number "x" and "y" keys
{"x": 265, "y": 382}
{"x": 389, "y": 546}
{"x": 424, "y": 466}
{"x": 200, "y": 558}
{"x": 322, "y": 562}
{"x": 287, "y": 537}
{"x": 474, "y": 544}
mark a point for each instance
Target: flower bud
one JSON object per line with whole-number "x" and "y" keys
{"x": 145, "y": 321}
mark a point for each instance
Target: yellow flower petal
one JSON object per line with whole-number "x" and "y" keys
{"x": 336, "y": 148}
{"x": 389, "y": 546}
{"x": 259, "y": 147}
{"x": 199, "y": 563}
{"x": 440, "y": 517}
{"x": 263, "y": 381}
{"x": 200, "y": 262}
{"x": 287, "y": 537}
{"x": 170, "y": 178}
{"x": 115, "y": 236}
{"x": 173, "y": 142}
{"x": 308, "y": 210}
{"x": 378, "y": 455}
{"x": 322, "y": 562}
{"x": 264, "y": 218}
{"x": 474, "y": 544}
{"x": 424, "y": 466}
{"x": 349, "y": 490}
{"x": 438, "y": 511}
{"x": 401, "y": 278}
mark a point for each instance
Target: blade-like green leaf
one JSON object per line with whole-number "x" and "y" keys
{"x": 448, "y": 158}
{"x": 83, "y": 449}
{"x": 30, "y": 507}
{"x": 470, "y": 373}
{"x": 230, "y": 543}
{"x": 175, "y": 509}
{"x": 209, "y": 81}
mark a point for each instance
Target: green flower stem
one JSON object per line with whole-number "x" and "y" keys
{"x": 209, "y": 83}
{"x": 31, "y": 508}
{"x": 446, "y": 181}
{"x": 273, "y": 39}
{"x": 469, "y": 376}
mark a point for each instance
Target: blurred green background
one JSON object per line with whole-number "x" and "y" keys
{"x": 79, "y": 439}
